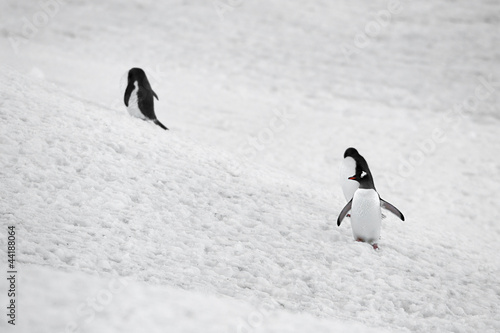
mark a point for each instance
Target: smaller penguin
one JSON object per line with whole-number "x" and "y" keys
{"x": 365, "y": 210}
{"x": 353, "y": 164}
{"x": 139, "y": 95}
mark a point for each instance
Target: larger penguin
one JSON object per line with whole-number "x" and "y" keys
{"x": 139, "y": 95}
{"x": 365, "y": 210}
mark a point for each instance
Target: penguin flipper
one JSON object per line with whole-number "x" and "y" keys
{"x": 392, "y": 209}
{"x": 344, "y": 212}
{"x": 128, "y": 92}
{"x": 157, "y": 122}
{"x": 155, "y": 95}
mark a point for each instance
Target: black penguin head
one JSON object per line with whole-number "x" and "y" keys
{"x": 364, "y": 179}
{"x": 351, "y": 152}
{"x": 361, "y": 164}
{"x": 361, "y": 178}
{"x": 137, "y": 74}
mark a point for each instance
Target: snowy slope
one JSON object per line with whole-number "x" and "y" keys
{"x": 228, "y": 204}
{"x": 132, "y": 201}
{"x": 91, "y": 304}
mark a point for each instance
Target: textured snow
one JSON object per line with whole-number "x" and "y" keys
{"x": 227, "y": 222}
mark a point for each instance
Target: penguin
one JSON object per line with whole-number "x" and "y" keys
{"x": 353, "y": 164}
{"x": 139, "y": 95}
{"x": 366, "y": 215}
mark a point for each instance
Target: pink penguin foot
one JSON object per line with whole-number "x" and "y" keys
{"x": 375, "y": 246}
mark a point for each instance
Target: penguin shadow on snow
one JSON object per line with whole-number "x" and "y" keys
{"x": 363, "y": 201}
{"x": 139, "y": 97}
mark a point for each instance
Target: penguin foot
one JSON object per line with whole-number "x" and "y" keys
{"x": 375, "y": 247}
{"x": 348, "y": 215}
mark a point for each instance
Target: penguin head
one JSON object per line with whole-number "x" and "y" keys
{"x": 137, "y": 74}
{"x": 364, "y": 179}
{"x": 351, "y": 159}
{"x": 351, "y": 152}
{"x": 359, "y": 161}
{"x": 361, "y": 164}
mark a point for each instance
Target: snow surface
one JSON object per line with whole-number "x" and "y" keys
{"x": 227, "y": 222}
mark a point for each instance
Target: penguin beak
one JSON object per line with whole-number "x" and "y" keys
{"x": 352, "y": 178}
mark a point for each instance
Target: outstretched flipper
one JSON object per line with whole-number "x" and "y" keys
{"x": 155, "y": 95}
{"x": 392, "y": 209}
{"x": 344, "y": 212}
{"x": 157, "y": 122}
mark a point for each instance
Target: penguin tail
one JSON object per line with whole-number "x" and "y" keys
{"x": 157, "y": 122}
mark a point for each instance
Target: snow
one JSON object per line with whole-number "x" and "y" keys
{"x": 100, "y": 303}
{"x": 227, "y": 222}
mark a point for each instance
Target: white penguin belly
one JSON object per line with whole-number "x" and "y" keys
{"x": 366, "y": 215}
{"x": 348, "y": 169}
{"x": 133, "y": 104}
